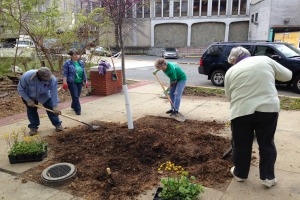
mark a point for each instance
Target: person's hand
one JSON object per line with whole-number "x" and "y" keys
{"x": 30, "y": 103}
{"x": 65, "y": 86}
{"x": 166, "y": 92}
{"x": 154, "y": 73}
{"x": 173, "y": 83}
{"x": 56, "y": 111}
{"x": 87, "y": 84}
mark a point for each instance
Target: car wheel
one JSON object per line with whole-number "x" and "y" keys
{"x": 217, "y": 78}
{"x": 296, "y": 84}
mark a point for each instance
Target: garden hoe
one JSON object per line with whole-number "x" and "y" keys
{"x": 94, "y": 128}
{"x": 179, "y": 117}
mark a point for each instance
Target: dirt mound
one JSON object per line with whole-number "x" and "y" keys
{"x": 135, "y": 155}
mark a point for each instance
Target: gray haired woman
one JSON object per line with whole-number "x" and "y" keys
{"x": 254, "y": 106}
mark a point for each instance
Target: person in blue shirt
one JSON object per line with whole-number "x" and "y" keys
{"x": 74, "y": 78}
{"x": 40, "y": 86}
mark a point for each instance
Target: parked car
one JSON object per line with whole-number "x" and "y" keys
{"x": 169, "y": 53}
{"x": 213, "y": 62}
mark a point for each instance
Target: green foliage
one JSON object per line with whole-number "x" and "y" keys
{"x": 203, "y": 90}
{"x": 21, "y": 144}
{"x": 288, "y": 103}
{"x": 178, "y": 185}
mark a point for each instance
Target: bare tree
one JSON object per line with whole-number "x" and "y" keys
{"x": 118, "y": 11}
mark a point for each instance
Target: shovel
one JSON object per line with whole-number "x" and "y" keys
{"x": 114, "y": 76}
{"x": 94, "y": 128}
{"x": 179, "y": 117}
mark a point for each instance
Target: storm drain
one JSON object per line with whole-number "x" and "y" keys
{"x": 59, "y": 173}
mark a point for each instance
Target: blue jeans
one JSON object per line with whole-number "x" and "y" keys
{"x": 33, "y": 115}
{"x": 176, "y": 94}
{"x": 75, "y": 91}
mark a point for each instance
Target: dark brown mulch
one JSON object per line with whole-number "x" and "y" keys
{"x": 135, "y": 155}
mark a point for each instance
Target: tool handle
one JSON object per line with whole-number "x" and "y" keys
{"x": 38, "y": 106}
{"x": 164, "y": 91}
{"x": 112, "y": 61}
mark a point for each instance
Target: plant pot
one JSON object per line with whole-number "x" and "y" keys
{"x": 156, "y": 196}
{"x": 27, "y": 157}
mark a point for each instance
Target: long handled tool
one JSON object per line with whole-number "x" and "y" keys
{"x": 179, "y": 117}
{"x": 94, "y": 128}
{"x": 114, "y": 76}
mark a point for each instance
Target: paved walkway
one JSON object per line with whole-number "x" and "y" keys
{"x": 144, "y": 100}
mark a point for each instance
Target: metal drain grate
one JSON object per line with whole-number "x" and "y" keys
{"x": 58, "y": 173}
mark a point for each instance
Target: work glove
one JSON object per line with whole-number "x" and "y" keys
{"x": 56, "y": 111}
{"x": 166, "y": 92}
{"x": 154, "y": 73}
{"x": 65, "y": 86}
{"x": 173, "y": 83}
{"x": 30, "y": 103}
{"x": 87, "y": 84}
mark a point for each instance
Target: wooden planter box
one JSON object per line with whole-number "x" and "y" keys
{"x": 27, "y": 158}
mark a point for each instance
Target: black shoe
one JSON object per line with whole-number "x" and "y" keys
{"x": 169, "y": 111}
{"x": 78, "y": 113}
{"x": 174, "y": 112}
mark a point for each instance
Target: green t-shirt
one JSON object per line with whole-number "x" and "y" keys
{"x": 174, "y": 72}
{"x": 79, "y": 73}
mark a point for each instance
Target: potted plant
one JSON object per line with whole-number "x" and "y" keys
{"x": 24, "y": 148}
{"x": 177, "y": 184}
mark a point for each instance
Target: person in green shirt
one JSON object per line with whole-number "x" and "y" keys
{"x": 177, "y": 82}
{"x": 74, "y": 77}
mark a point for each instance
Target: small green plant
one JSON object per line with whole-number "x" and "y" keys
{"x": 21, "y": 144}
{"x": 178, "y": 185}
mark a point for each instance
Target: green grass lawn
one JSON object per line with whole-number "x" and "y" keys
{"x": 286, "y": 103}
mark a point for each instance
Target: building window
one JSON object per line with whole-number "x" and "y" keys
{"x": 219, "y": 7}
{"x": 239, "y": 7}
{"x": 204, "y": 6}
{"x": 180, "y": 8}
{"x": 143, "y": 9}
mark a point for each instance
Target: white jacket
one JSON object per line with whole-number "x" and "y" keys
{"x": 250, "y": 85}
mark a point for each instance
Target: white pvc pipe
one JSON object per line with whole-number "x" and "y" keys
{"x": 127, "y": 105}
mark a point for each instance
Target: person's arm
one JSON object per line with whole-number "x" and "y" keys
{"x": 22, "y": 85}
{"x": 227, "y": 85}
{"x": 65, "y": 74}
{"x": 281, "y": 73}
{"x": 53, "y": 92}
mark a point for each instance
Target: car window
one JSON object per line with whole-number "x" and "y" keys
{"x": 170, "y": 49}
{"x": 287, "y": 50}
{"x": 215, "y": 50}
{"x": 264, "y": 51}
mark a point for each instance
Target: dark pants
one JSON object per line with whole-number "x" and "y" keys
{"x": 75, "y": 91}
{"x": 243, "y": 128}
{"x": 33, "y": 115}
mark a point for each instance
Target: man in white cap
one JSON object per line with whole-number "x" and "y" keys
{"x": 40, "y": 86}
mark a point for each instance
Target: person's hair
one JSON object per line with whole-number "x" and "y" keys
{"x": 73, "y": 51}
{"x": 160, "y": 62}
{"x": 236, "y": 53}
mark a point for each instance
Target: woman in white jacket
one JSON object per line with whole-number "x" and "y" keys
{"x": 254, "y": 107}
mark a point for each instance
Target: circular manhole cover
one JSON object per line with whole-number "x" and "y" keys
{"x": 58, "y": 173}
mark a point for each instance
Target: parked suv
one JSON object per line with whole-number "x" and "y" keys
{"x": 213, "y": 62}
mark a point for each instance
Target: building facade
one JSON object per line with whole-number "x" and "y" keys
{"x": 189, "y": 23}
{"x": 275, "y": 20}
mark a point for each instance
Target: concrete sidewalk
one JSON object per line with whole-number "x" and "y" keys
{"x": 144, "y": 100}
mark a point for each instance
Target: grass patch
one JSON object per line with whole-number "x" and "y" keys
{"x": 286, "y": 103}
{"x": 202, "y": 91}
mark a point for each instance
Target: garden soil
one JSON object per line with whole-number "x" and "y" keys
{"x": 133, "y": 156}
